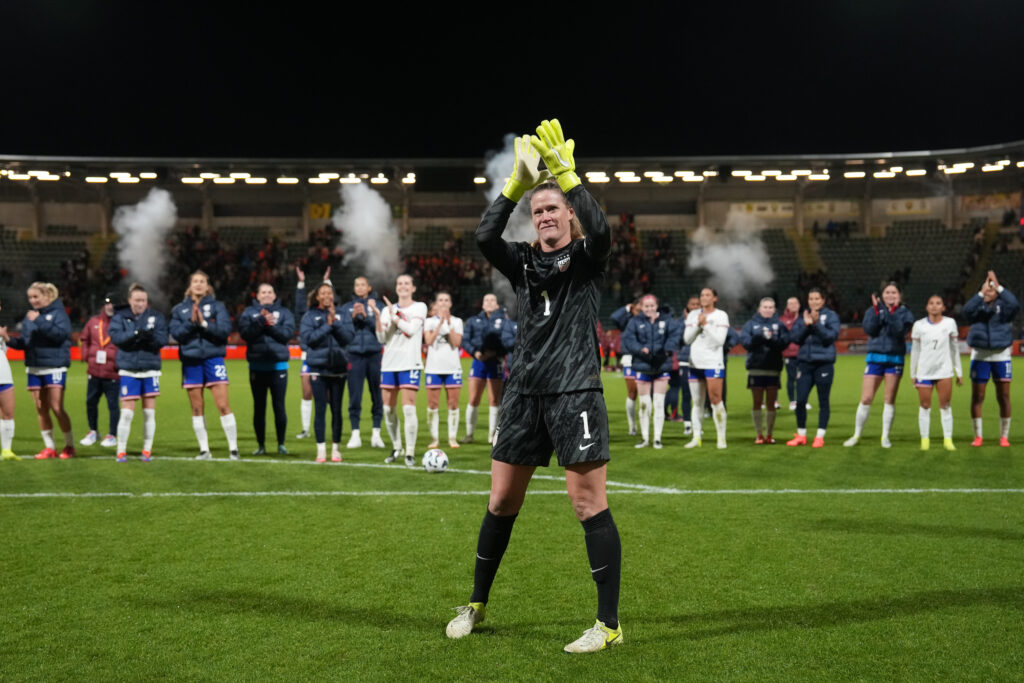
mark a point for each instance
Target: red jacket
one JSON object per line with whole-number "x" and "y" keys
{"x": 96, "y": 337}
{"x": 788, "y": 319}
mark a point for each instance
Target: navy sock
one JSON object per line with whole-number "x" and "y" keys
{"x": 490, "y": 547}
{"x": 605, "y": 554}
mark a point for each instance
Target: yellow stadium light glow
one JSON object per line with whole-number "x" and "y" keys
{"x": 319, "y": 181}
{"x": 209, "y": 176}
{"x": 754, "y": 177}
{"x": 240, "y": 176}
{"x": 330, "y": 176}
{"x": 785, "y": 176}
{"x": 624, "y": 174}
{"x": 682, "y": 174}
{"x": 37, "y": 174}
{"x": 883, "y": 174}
{"x": 408, "y": 181}
{"x": 379, "y": 180}
{"x": 1020, "y": 164}
{"x": 988, "y": 168}
{"x": 818, "y": 176}
{"x": 693, "y": 179}
{"x": 479, "y": 180}
{"x": 954, "y": 169}
{"x": 771, "y": 173}
{"x": 740, "y": 174}
{"x": 18, "y": 176}
{"x": 148, "y": 175}
{"x": 601, "y": 179}
{"x": 120, "y": 174}
{"x": 629, "y": 179}
{"x": 255, "y": 181}
{"x": 287, "y": 180}
{"x": 853, "y": 174}
{"x": 964, "y": 164}
{"x": 1004, "y": 162}
{"x": 224, "y": 181}
{"x": 128, "y": 180}
{"x": 96, "y": 179}
{"x": 801, "y": 172}
{"x": 192, "y": 181}
{"x": 350, "y": 180}
{"x": 663, "y": 179}
{"x": 896, "y": 169}
{"x": 916, "y": 171}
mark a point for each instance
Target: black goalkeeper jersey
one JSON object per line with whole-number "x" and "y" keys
{"x": 557, "y": 349}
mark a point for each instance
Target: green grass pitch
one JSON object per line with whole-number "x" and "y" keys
{"x": 753, "y": 563}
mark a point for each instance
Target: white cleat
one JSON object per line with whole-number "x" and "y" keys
{"x": 410, "y": 461}
{"x": 89, "y": 439}
{"x": 205, "y": 455}
{"x": 693, "y": 443}
{"x": 302, "y": 435}
{"x": 886, "y": 443}
{"x": 657, "y": 445}
{"x": 687, "y": 429}
{"x": 109, "y": 441}
{"x": 642, "y": 444}
{"x": 377, "y": 442}
{"x": 354, "y": 441}
{"x": 721, "y": 444}
{"x": 391, "y": 458}
{"x": 852, "y": 441}
{"x": 596, "y": 638}
{"x": 469, "y": 616}
{"x": 792, "y": 405}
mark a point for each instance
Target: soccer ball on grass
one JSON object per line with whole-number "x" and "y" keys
{"x": 435, "y": 461}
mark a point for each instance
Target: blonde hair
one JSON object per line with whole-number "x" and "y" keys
{"x": 575, "y": 227}
{"x": 48, "y": 289}
{"x": 209, "y": 286}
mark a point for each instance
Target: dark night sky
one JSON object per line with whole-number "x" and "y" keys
{"x": 112, "y": 79}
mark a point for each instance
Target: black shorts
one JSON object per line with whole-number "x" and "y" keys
{"x": 573, "y": 425}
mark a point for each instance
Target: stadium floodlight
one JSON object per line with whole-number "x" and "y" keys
{"x": 896, "y": 169}
{"x": 801, "y": 172}
{"x": 96, "y": 179}
{"x": 818, "y": 176}
{"x": 964, "y": 164}
{"x": 785, "y": 176}
{"x": 771, "y": 173}
{"x": 48, "y": 176}
{"x": 409, "y": 179}
{"x": 287, "y": 180}
{"x": 379, "y": 179}
{"x": 130, "y": 179}
{"x": 240, "y": 175}
{"x": 988, "y": 168}
{"x": 599, "y": 179}
{"x": 209, "y": 176}
{"x": 319, "y": 181}
{"x": 949, "y": 170}
{"x": 663, "y": 179}
{"x": 624, "y": 174}
{"x": 479, "y": 180}
{"x": 330, "y": 175}
{"x": 754, "y": 177}
{"x": 148, "y": 175}
{"x": 710, "y": 174}
{"x": 682, "y": 174}
{"x": 255, "y": 181}
{"x": 19, "y": 176}
{"x": 192, "y": 181}
{"x": 120, "y": 174}
{"x": 1020, "y": 164}
{"x": 351, "y": 179}
{"x": 37, "y": 174}
{"x": 916, "y": 171}
{"x": 854, "y": 174}
{"x": 1003, "y": 162}
{"x": 224, "y": 181}
{"x": 693, "y": 179}
{"x": 740, "y": 174}
{"x": 883, "y": 174}
{"x": 629, "y": 179}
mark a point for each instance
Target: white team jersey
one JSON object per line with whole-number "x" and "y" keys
{"x": 402, "y": 337}
{"x": 5, "y": 367}
{"x": 442, "y": 357}
{"x": 935, "y": 353}
{"x": 992, "y": 355}
{"x": 706, "y": 343}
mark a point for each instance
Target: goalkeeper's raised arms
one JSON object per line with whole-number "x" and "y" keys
{"x": 557, "y": 153}
{"x": 526, "y": 173}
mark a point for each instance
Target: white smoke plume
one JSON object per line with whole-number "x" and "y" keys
{"x": 498, "y": 165}
{"x": 368, "y": 232}
{"x": 735, "y": 256}
{"x": 143, "y": 228}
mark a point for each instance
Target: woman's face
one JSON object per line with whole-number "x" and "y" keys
{"x": 404, "y": 287}
{"x": 490, "y": 303}
{"x": 707, "y": 298}
{"x": 325, "y": 296}
{"x": 649, "y": 306}
{"x": 815, "y": 301}
{"x": 793, "y": 304}
{"x": 199, "y": 286}
{"x": 693, "y": 303}
{"x": 361, "y": 287}
{"x": 767, "y": 308}
{"x": 138, "y": 301}
{"x": 37, "y": 298}
{"x": 936, "y": 306}
{"x": 442, "y": 304}
{"x": 551, "y": 217}
{"x": 266, "y": 295}
{"x": 891, "y": 296}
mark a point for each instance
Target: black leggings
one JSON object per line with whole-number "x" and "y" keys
{"x": 814, "y": 375}
{"x": 327, "y": 390}
{"x": 276, "y": 381}
{"x": 102, "y": 387}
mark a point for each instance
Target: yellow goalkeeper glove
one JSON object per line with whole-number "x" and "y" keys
{"x": 557, "y": 152}
{"x": 525, "y": 175}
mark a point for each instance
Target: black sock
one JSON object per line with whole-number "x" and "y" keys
{"x": 490, "y": 547}
{"x": 605, "y": 554}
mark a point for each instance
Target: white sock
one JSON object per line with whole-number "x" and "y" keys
{"x": 412, "y": 425}
{"x": 6, "y": 434}
{"x": 644, "y": 417}
{"x": 306, "y": 413}
{"x": 977, "y": 425}
{"x": 321, "y": 451}
{"x": 946, "y": 417}
{"x": 820, "y": 434}
{"x": 432, "y": 421}
{"x": 924, "y": 419}
{"x": 492, "y": 422}
{"x": 719, "y": 417}
{"x": 335, "y": 451}
{"x": 199, "y": 427}
{"x": 47, "y": 435}
{"x": 769, "y": 422}
{"x": 375, "y": 434}
{"x": 471, "y": 412}
{"x": 697, "y": 408}
{"x": 453, "y": 424}
{"x": 1004, "y": 427}
{"x": 758, "y": 416}
{"x": 148, "y": 428}
{"x": 124, "y": 429}
{"x": 631, "y": 413}
{"x": 659, "y": 415}
{"x": 230, "y": 430}
{"x": 862, "y": 417}
{"x": 69, "y": 438}
{"x": 801, "y": 431}
{"x": 888, "y": 412}
{"x": 391, "y": 423}
{"x": 354, "y": 434}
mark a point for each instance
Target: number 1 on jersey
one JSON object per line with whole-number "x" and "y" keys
{"x": 547, "y": 303}
{"x": 586, "y": 425}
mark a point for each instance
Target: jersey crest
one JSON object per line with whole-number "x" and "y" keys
{"x": 563, "y": 262}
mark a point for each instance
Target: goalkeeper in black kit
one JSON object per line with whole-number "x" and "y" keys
{"x": 553, "y": 400}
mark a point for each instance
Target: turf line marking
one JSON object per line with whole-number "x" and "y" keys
{"x": 652, "y": 490}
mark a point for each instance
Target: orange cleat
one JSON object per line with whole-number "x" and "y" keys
{"x": 819, "y": 442}
{"x": 1004, "y": 442}
{"x": 147, "y": 456}
{"x": 122, "y": 457}
{"x": 46, "y": 454}
{"x": 797, "y": 440}
{"x": 976, "y": 442}
{"x": 759, "y": 440}
{"x": 67, "y": 453}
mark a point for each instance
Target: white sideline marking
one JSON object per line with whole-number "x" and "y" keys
{"x": 649, "y": 490}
